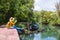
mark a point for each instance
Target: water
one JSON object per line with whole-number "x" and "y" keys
{"x": 46, "y": 35}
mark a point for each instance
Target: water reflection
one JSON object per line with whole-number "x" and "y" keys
{"x": 27, "y": 37}
{"x": 49, "y": 38}
{"x": 37, "y": 36}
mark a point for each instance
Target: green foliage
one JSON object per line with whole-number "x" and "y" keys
{"x": 21, "y": 9}
{"x": 37, "y": 16}
{"x": 21, "y": 25}
{"x": 46, "y": 17}
{"x": 58, "y": 21}
{"x": 24, "y": 11}
{"x": 49, "y": 17}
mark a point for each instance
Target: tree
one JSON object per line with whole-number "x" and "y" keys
{"x": 24, "y": 12}
{"x": 21, "y": 9}
{"x": 6, "y": 9}
{"x": 58, "y": 8}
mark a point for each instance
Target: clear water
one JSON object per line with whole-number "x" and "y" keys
{"x": 46, "y": 35}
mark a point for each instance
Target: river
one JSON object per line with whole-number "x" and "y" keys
{"x": 51, "y": 33}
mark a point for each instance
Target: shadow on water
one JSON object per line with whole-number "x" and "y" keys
{"x": 47, "y": 35}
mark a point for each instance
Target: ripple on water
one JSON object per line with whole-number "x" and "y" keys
{"x": 49, "y": 38}
{"x": 38, "y": 37}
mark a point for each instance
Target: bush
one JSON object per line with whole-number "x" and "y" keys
{"x": 21, "y": 25}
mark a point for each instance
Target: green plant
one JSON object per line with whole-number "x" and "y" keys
{"x": 21, "y": 25}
